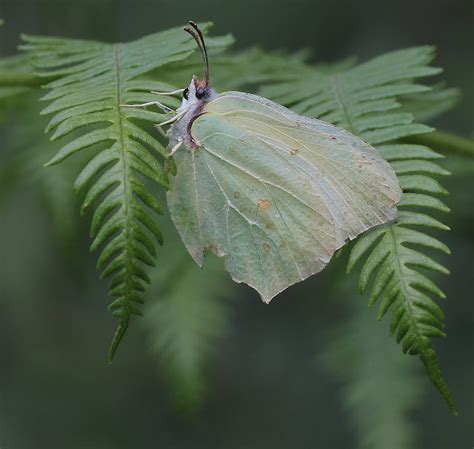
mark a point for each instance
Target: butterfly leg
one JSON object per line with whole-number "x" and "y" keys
{"x": 150, "y": 103}
{"x": 172, "y": 119}
{"x": 165, "y": 108}
{"x": 174, "y": 92}
{"x": 175, "y": 148}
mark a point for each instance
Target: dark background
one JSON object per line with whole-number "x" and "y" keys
{"x": 269, "y": 388}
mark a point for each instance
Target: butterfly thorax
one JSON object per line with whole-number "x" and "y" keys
{"x": 195, "y": 97}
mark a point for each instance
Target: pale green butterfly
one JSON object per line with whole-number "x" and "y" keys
{"x": 272, "y": 192}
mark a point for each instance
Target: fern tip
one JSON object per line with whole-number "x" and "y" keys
{"x": 432, "y": 368}
{"x": 24, "y": 37}
{"x": 50, "y": 163}
{"x": 118, "y": 336}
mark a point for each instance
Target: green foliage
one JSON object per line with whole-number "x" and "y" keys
{"x": 380, "y": 387}
{"x": 24, "y": 149}
{"x": 89, "y": 83}
{"x": 93, "y": 81}
{"x": 396, "y": 262}
{"x": 363, "y": 100}
{"x": 16, "y": 77}
{"x": 188, "y": 317}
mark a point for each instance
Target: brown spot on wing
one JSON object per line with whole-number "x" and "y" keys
{"x": 263, "y": 204}
{"x": 266, "y": 247}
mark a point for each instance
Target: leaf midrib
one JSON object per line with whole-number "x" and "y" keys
{"x": 335, "y": 79}
{"x": 125, "y": 178}
{"x": 404, "y": 287}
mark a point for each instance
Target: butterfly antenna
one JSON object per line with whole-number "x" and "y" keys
{"x": 196, "y": 33}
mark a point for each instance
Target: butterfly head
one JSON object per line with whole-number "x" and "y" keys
{"x": 198, "y": 90}
{"x": 195, "y": 96}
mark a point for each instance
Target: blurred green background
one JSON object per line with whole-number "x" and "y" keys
{"x": 284, "y": 376}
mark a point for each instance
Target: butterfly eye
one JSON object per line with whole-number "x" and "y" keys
{"x": 186, "y": 93}
{"x": 201, "y": 93}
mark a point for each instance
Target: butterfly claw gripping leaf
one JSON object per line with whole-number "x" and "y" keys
{"x": 273, "y": 192}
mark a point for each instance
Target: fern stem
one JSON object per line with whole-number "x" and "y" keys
{"x": 344, "y": 108}
{"x": 446, "y": 143}
{"x": 125, "y": 313}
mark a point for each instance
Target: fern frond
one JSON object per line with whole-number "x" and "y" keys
{"x": 16, "y": 76}
{"x": 93, "y": 80}
{"x": 380, "y": 387}
{"x": 355, "y": 98}
{"x": 365, "y": 100}
{"x": 396, "y": 262}
{"x": 187, "y": 318}
{"x": 22, "y": 156}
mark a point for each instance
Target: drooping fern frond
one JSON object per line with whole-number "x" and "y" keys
{"x": 187, "y": 316}
{"x": 16, "y": 77}
{"x": 380, "y": 387}
{"x": 93, "y": 81}
{"x": 364, "y": 100}
{"x": 22, "y": 154}
{"x": 397, "y": 262}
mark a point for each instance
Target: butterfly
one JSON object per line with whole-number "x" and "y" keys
{"x": 274, "y": 193}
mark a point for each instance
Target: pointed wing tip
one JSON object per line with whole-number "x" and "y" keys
{"x": 266, "y": 300}
{"x": 199, "y": 259}
{"x": 267, "y": 297}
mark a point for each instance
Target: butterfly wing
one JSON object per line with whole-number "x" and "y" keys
{"x": 275, "y": 193}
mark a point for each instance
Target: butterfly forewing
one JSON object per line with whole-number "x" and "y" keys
{"x": 275, "y": 193}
